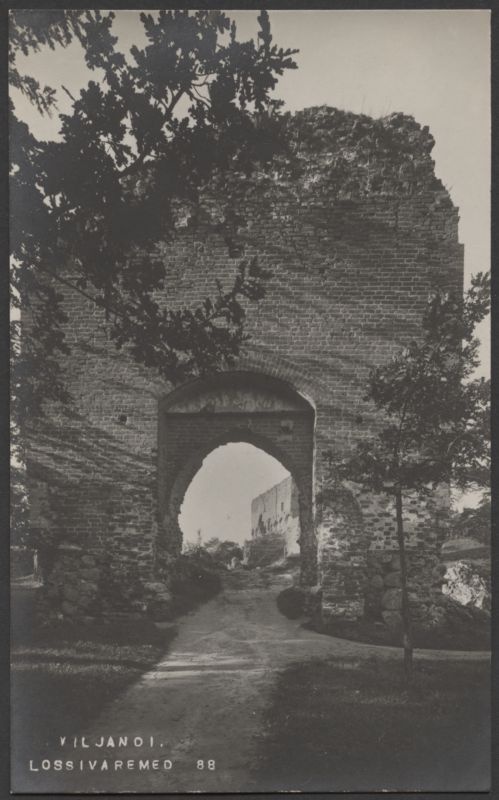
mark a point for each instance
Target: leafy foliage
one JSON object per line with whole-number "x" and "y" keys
{"x": 151, "y": 132}
{"x": 474, "y": 523}
{"x": 29, "y": 31}
{"x": 195, "y": 580}
{"x": 224, "y": 551}
{"x": 162, "y": 122}
{"x": 437, "y": 416}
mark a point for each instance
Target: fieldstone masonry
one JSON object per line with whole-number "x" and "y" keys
{"x": 355, "y": 231}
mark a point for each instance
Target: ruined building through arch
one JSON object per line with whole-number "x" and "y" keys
{"x": 354, "y": 239}
{"x": 235, "y": 407}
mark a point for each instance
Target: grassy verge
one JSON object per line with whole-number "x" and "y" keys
{"x": 62, "y": 676}
{"x": 356, "y": 728}
{"x": 460, "y": 627}
{"x": 470, "y": 631}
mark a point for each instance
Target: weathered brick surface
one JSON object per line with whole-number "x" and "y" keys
{"x": 354, "y": 240}
{"x": 187, "y": 439}
{"x": 275, "y": 513}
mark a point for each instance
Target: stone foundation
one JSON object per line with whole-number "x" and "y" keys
{"x": 383, "y": 597}
{"x": 359, "y": 558}
{"x": 88, "y": 585}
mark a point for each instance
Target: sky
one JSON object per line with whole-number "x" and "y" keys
{"x": 432, "y": 64}
{"x": 238, "y": 472}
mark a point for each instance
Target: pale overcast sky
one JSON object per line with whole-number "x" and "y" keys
{"x": 433, "y": 64}
{"x": 237, "y": 472}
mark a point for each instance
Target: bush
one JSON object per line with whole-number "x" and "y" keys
{"x": 474, "y": 523}
{"x": 456, "y": 627}
{"x": 195, "y": 580}
{"x": 22, "y": 561}
{"x": 291, "y": 602}
{"x": 224, "y": 552}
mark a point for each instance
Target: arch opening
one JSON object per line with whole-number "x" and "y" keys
{"x": 242, "y": 495}
{"x": 235, "y": 409}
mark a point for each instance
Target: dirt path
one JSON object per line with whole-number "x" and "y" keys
{"x": 204, "y": 700}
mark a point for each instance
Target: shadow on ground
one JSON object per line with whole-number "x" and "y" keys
{"x": 333, "y": 728}
{"x": 65, "y": 675}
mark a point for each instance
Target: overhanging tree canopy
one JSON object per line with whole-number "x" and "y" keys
{"x": 152, "y": 130}
{"x": 159, "y": 125}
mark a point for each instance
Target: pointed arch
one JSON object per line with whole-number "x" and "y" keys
{"x": 235, "y": 407}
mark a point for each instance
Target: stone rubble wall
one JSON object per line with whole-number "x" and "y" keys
{"x": 358, "y": 553}
{"x": 89, "y": 585}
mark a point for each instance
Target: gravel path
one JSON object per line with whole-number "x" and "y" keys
{"x": 204, "y": 700}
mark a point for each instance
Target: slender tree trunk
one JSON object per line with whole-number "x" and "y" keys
{"x": 405, "y": 612}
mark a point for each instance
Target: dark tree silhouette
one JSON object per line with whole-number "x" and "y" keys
{"x": 160, "y": 124}
{"x": 154, "y": 128}
{"x": 437, "y": 417}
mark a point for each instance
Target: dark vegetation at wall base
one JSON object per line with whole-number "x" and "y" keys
{"x": 265, "y": 550}
{"x": 196, "y": 578}
{"x": 447, "y": 625}
{"x": 291, "y": 602}
{"x": 299, "y": 601}
{"x": 453, "y": 627}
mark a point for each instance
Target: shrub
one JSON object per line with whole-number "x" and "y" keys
{"x": 195, "y": 580}
{"x": 291, "y": 602}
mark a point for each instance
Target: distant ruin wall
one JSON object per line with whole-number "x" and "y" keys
{"x": 275, "y": 524}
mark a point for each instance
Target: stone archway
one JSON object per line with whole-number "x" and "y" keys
{"x": 235, "y": 407}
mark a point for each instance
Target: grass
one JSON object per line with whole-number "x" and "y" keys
{"x": 471, "y": 633}
{"x": 356, "y": 728}
{"x": 63, "y": 676}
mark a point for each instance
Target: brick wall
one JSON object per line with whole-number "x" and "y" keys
{"x": 186, "y": 439}
{"x": 355, "y": 233}
{"x": 276, "y": 512}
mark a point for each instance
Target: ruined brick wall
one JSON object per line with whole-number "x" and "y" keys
{"x": 275, "y": 512}
{"x": 185, "y": 439}
{"x": 355, "y": 231}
